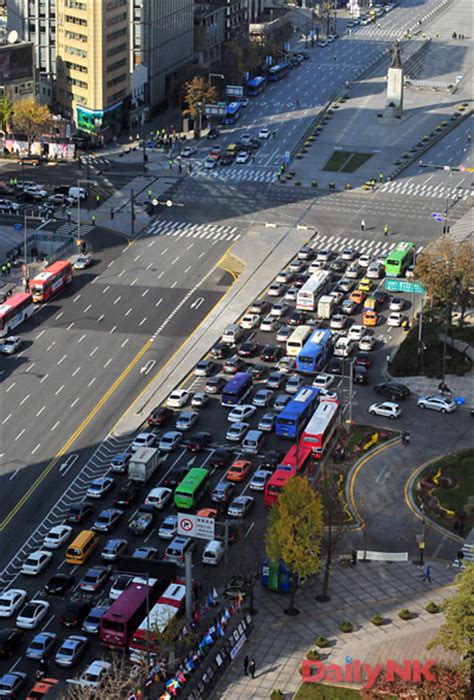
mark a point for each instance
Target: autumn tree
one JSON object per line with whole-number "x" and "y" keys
{"x": 198, "y": 90}
{"x": 6, "y": 111}
{"x": 295, "y": 527}
{"x": 450, "y": 684}
{"x": 31, "y": 119}
{"x": 120, "y": 681}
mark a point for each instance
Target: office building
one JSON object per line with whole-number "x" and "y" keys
{"x": 209, "y": 32}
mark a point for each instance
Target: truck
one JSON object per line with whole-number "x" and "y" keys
{"x": 142, "y": 520}
{"x": 325, "y": 306}
{"x": 143, "y": 464}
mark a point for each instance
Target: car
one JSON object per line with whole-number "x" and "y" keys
{"x": 250, "y": 321}
{"x": 363, "y": 359}
{"x": 200, "y": 399}
{"x": 386, "y": 409}
{"x": 170, "y": 441}
{"x": 114, "y": 548}
{"x": 158, "y": 497}
{"x": 214, "y": 385}
{"x": 10, "y": 640}
{"x": 322, "y": 44}
{"x": 160, "y": 416}
{"x": 335, "y": 365}
{"x": 142, "y": 520}
{"x": 364, "y": 260}
{"x": 188, "y": 151}
{"x": 178, "y": 398}
{"x": 283, "y": 333}
{"x": 360, "y": 374}
{"x": 272, "y": 459}
{"x": 222, "y": 457}
{"x": 242, "y": 157}
{"x": 107, "y": 520}
{"x": 75, "y": 613}
{"x": 291, "y": 294}
{"x": 353, "y": 271}
{"x": 178, "y": 547}
{"x": 338, "y": 321}
{"x": 280, "y": 402}
{"x": 241, "y": 412}
{"x": 240, "y": 506}
{"x": 395, "y": 319}
{"x": 119, "y": 585}
{"x": 94, "y": 579}
{"x": 236, "y": 431}
{"x": 32, "y": 614}
{"x": 348, "y": 254}
{"x": 306, "y": 253}
{"x": 374, "y": 271}
{"x": 267, "y": 422}
{"x": 255, "y": 143}
{"x": 78, "y": 512}
{"x": 226, "y": 159}
{"x": 337, "y": 296}
{"x": 175, "y": 476}
{"x": 248, "y": 349}
{"x": 11, "y": 345}
{"x": 11, "y": 600}
{"x": 36, "y": 562}
{"x": 323, "y": 381}
{"x": 344, "y": 285}
{"x": 204, "y": 368}
{"x": 365, "y": 285}
{"x": 294, "y": 383}
{"x": 317, "y": 265}
{"x": 234, "y": 364}
{"x": 127, "y": 495}
{"x": 395, "y": 391}
{"x": 269, "y": 324}
{"x": 220, "y": 351}
{"x": 119, "y": 463}
{"x": 82, "y": 262}
{"x": 262, "y": 397}
{"x": 370, "y": 318}
{"x": 357, "y": 296}
{"x": 238, "y": 470}
{"x": 367, "y": 343}
{"x": 168, "y": 528}
{"x": 297, "y": 265}
{"x": 100, "y": 487}
{"x": 71, "y": 650}
{"x": 276, "y": 289}
{"x": 356, "y": 332}
{"x": 338, "y": 265}
{"x": 245, "y": 138}
{"x": 286, "y": 365}
{"x": 259, "y": 479}
{"x": 59, "y": 584}
{"x": 343, "y": 347}
{"x": 326, "y": 394}
{"x": 264, "y": 133}
{"x": 275, "y": 380}
{"x": 186, "y": 420}
{"x": 271, "y": 353}
{"x": 213, "y": 133}
{"x": 57, "y": 536}
{"x": 223, "y": 492}
{"x": 145, "y": 553}
{"x": 94, "y": 675}
{"x": 260, "y": 306}
{"x": 437, "y": 403}
{"x": 143, "y": 440}
{"x": 257, "y": 372}
{"x": 279, "y": 309}
{"x": 198, "y": 441}
{"x": 11, "y": 684}
{"x": 41, "y": 646}
{"x": 396, "y": 304}
{"x": 284, "y": 276}
{"x": 210, "y": 163}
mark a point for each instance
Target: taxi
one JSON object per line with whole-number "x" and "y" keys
{"x": 369, "y": 318}
{"x": 365, "y": 285}
{"x": 357, "y": 296}
{"x": 238, "y": 470}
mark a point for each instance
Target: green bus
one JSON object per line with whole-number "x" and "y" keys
{"x": 192, "y": 488}
{"x": 399, "y": 259}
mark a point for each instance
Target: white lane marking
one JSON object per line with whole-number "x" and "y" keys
{"x": 51, "y": 346}
{"x": 145, "y": 292}
{"x": 112, "y": 329}
{"x": 6, "y": 419}
{"x": 174, "y": 284}
{"x": 164, "y": 251}
{"x": 10, "y": 388}
{"x": 78, "y": 296}
{"x": 134, "y": 281}
{"x": 107, "y": 363}
{"x": 40, "y": 411}
{"x": 117, "y": 300}
{"x": 101, "y": 317}
{"x": 129, "y": 311}
{"x": 149, "y": 264}
{"x": 94, "y": 351}
{"x": 36, "y": 448}
{"x": 12, "y": 476}
{"x": 78, "y": 369}
{"x": 55, "y": 425}
{"x": 87, "y": 308}
{"x": 161, "y": 274}
{"x": 39, "y": 335}
{"x": 20, "y": 434}
{"x": 136, "y": 258}
{"x": 124, "y": 343}
{"x": 59, "y": 390}
{"x": 187, "y": 269}
{"x": 175, "y": 260}
{"x": 25, "y": 399}
{"x": 74, "y": 402}
{"x": 91, "y": 381}
{"x": 30, "y": 367}
{"x": 110, "y": 263}
{"x": 70, "y": 326}
{"x": 142, "y": 321}
{"x": 106, "y": 289}
{"x": 82, "y": 338}
{"x": 61, "y": 360}
{"x": 159, "y": 301}
{"x": 58, "y": 316}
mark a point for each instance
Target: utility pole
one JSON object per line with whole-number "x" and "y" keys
{"x": 145, "y": 157}
{"x": 132, "y": 213}
{"x": 188, "y": 563}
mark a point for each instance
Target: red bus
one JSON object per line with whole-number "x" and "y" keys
{"x": 121, "y": 620}
{"x": 298, "y": 460}
{"x": 275, "y": 485}
{"x": 14, "y": 311}
{"x": 51, "y": 281}
{"x": 321, "y": 427}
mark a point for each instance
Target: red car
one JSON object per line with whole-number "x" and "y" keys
{"x": 160, "y": 415}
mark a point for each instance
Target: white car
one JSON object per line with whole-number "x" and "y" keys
{"x": 170, "y": 440}
{"x": 437, "y": 403}
{"x": 373, "y": 271}
{"x": 57, "y": 536}
{"x": 326, "y": 394}
{"x": 283, "y": 333}
{"x": 236, "y": 431}
{"x": 291, "y": 294}
{"x": 276, "y": 289}
{"x": 178, "y": 398}
{"x": 269, "y": 324}
{"x": 279, "y": 309}
{"x": 250, "y": 321}
{"x": 100, "y": 487}
{"x": 348, "y": 254}
{"x": 143, "y": 440}
{"x": 352, "y": 272}
{"x": 82, "y": 262}
{"x": 11, "y": 601}
{"x": 337, "y": 322}
{"x": 296, "y": 265}
{"x": 188, "y": 151}
{"x": 259, "y": 480}
{"x": 32, "y": 614}
{"x": 356, "y": 332}
{"x": 323, "y": 381}
{"x": 294, "y": 383}
{"x": 323, "y": 255}
{"x": 396, "y": 304}
{"x": 284, "y": 276}
{"x": 169, "y": 527}
{"x": 262, "y": 398}
{"x": 286, "y": 364}
{"x": 316, "y": 265}
{"x": 264, "y": 133}
{"x": 210, "y": 163}
{"x": 367, "y": 343}
{"x": 200, "y": 399}
{"x": 242, "y": 157}
{"x": 245, "y": 139}
{"x": 241, "y": 413}
{"x": 337, "y": 296}
{"x": 9, "y": 346}
{"x": 158, "y": 497}
{"x": 364, "y": 260}
{"x": 36, "y": 562}
{"x": 395, "y": 319}
{"x": 387, "y": 409}
{"x": 94, "y": 675}
{"x": 343, "y": 347}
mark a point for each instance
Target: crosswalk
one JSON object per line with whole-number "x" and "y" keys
{"x": 70, "y": 228}
{"x": 180, "y": 229}
{"x": 238, "y": 174}
{"x": 374, "y": 31}
{"x": 96, "y": 160}
{"x": 337, "y": 244}
{"x": 405, "y": 187}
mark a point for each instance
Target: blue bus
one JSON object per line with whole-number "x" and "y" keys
{"x": 279, "y": 71}
{"x": 232, "y": 114}
{"x": 256, "y": 85}
{"x": 296, "y": 413}
{"x": 315, "y": 351}
{"x": 237, "y": 389}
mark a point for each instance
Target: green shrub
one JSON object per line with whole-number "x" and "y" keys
{"x": 346, "y": 626}
{"x": 297, "y": 183}
{"x": 314, "y": 183}
{"x": 405, "y": 155}
{"x": 299, "y": 156}
{"x": 276, "y": 694}
{"x": 348, "y": 186}
{"x": 332, "y": 185}
{"x": 397, "y": 162}
{"x": 313, "y": 655}
{"x": 405, "y": 614}
{"x": 433, "y": 608}
{"x": 377, "y": 620}
{"x": 322, "y": 642}
{"x": 311, "y": 138}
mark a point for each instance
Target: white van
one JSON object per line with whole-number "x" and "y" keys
{"x": 343, "y": 347}
{"x": 253, "y": 441}
{"x": 77, "y": 193}
{"x": 232, "y": 334}
{"x": 213, "y": 552}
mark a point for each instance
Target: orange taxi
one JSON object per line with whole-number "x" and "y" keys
{"x": 238, "y": 470}
{"x": 369, "y": 318}
{"x": 357, "y": 296}
{"x": 208, "y": 513}
{"x": 41, "y": 688}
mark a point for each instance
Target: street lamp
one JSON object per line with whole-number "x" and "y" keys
{"x": 92, "y": 182}
{"x": 421, "y": 538}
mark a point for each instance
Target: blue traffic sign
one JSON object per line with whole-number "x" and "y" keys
{"x": 18, "y": 227}
{"x": 437, "y": 216}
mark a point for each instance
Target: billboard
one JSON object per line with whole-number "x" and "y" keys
{"x": 16, "y": 63}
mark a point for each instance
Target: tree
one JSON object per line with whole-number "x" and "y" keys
{"x": 6, "y": 111}
{"x": 197, "y": 90}
{"x": 450, "y": 684}
{"x": 295, "y": 527}
{"x": 120, "y": 681}
{"x": 31, "y": 119}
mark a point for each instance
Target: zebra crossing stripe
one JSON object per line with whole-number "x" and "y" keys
{"x": 211, "y": 232}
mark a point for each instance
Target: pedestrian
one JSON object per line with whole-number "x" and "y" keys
{"x": 389, "y": 359}
{"x": 150, "y": 194}
{"x": 97, "y": 199}
{"x": 252, "y": 668}
{"x": 297, "y": 101}
{"x": 274, "y": 133}
{"x": 4, "y": 270}
{"x": 93, "y": 219}
{"x": 385, "y": 230}
{"x": 190, "y": 168}
{"x": 180, "y": 168}
{"x": 362, "y": 225}
{"x": 170, "y": 163}
{"x": 69, "y": 215}
{"x": 9, "y": 268}
{"x": 407, "y": 438}
{"x": 246, "y": 665}
{"x": 427, "y": 574}
{"x": 381, "y": 177}
{"x": 354, "y": 557}
{"x": 112, "y": 213}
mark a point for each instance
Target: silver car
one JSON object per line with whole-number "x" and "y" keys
{"x": 71, "y": 650}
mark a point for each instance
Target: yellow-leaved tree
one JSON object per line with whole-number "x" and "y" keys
{"x": 31, "y": 119}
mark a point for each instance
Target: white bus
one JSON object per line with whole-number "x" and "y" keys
{"x": 306, "y": 299}
{"x": 297, "y": 339}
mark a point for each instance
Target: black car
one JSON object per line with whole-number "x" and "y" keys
{"x": 248, "y": 349}
{"x": 75, "y": 613}
{"x": 213, "y": 133}
{"x": 127, "y": 495}
{"x": 395, "y": 391}
{"x": 59, "y": 584}
{"x": 271, "y": 353}
{"x": 271, "y": 460}
{"x": 226, "y": 159}
{"x": 214, "y": 385}
{"x": 301, "y": 279}
{"x": 363, "y": 359}
{"x": 335, "y": 366}
{"x": 257, "y": 371}
{"x": 175, "y": 477}
{"x": 297, "y": 318}
{"x": 223, "y": 492}
{"x": 233, "y": 529}
{"x": 221, "y": 458}
{"x": 160, "y": 415}
{"x": 199, "y": 441}
{"x": 78, "y": 512}
{"x": 360, "y": 375}
{"x": 338, "y": 265}
{"x": 220, "y": 351}
{"x": 255, "y": 142}
{"x": 10, "y": 640}
{"x": 380, "y": 296}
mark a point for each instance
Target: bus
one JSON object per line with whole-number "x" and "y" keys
{"x": 51, "y": 281}
{"x": 315, "y": 352}
{"x": 298, "y": 459}
{"x": 321, "y": 427}
{"x": 121, "y": 620}
{"x": 275, "y": 486}
{"x": 399, "y": 259}
{"x": 279, "y": 71}
{"x": 256, "y": 85}
{"x": 232, "y": 113}
{"x": 297, "y": 340}
{"x": 170, "y": 605}
{"x": 12, "y": 312}
{"x": 316, "y": 285}
{"x": 296, "y": 412}
{"x": 192, "y": 488}
{"x": 237, "y": 389}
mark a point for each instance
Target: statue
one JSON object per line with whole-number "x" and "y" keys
{"x": 395, "y": 56}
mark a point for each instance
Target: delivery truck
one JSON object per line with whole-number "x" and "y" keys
{"x": 325, "y": 306}
{"x": 143, "y": 464}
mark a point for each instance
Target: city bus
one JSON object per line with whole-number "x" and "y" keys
{"x": 298, "y": 459}
{"x": 399, "y": 259}
{"x": 192, "y": 488}
{"x": 297, "y": 340}
{"x": 121, "y": 620}
{"x": 170, "y": 605}
{"x": 278, "y": 72}
{"x": 318, "y": 284}
{"x": 237, "y": 389}
{"x": 51, "y": 281}
{"x": 315, "y": 352}
{"x": 321, "y": 427}
{"x": 292, "y": 418}
{"x": 232, "y": 113}
{"x": 12, "y": 312}
{"x": 257, "y": 85}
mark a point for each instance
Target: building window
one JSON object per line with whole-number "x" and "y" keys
{"x": 77, "y": 83}
{"x": 116, "y": 81}
{"x": 75, "y": 5}
{"x": 116, "y": 35}
{"x": 115, "y": 3}
{"x": 117, "y": 64}
{"x": 76, "y": 66}
{"x": 117, "y": 19}
{"x": 72, "y": 51}
{"x": 75, "y": 36}
{"x": 75, "y": 20}
{"x": 116, "y": 49}
{"x": 117, "y": 96}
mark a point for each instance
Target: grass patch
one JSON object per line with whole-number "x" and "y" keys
{"x": 408, "y": 362}
{"x": 355, "y": 162}
{"x": 315, "y": 691}
{"x": 337, "y": 160}
{"x": 346, "y": 161}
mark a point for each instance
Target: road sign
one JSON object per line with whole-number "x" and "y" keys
{"x": 18, "y": 227}
{"x": 234, "y": 90}
{"x": 437, "y": 216}
{"x": 400, "y": 285}
{"x": 196, "y": 526}
{"x": 287, "y": 157}
{"x": 214, "y": 110}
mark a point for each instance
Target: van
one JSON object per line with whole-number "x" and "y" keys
{"x": 213, "y": 552}
{"x": 343, "y": 347}
{"x": 80, "y": 550}
{"x": 232, "y": 334}
{"x": 77, "y": 193}
{"x": 253, "y": 441}
{"x": 232, "y": 148}
{"x": 176, "y": 550}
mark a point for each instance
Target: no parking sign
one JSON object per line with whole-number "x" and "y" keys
{"x": 196, "y": 526}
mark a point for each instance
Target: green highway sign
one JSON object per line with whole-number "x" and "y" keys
{"x": 401, "y": 285}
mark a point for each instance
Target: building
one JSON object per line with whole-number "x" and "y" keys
{"x": 17, "y": 71}
{"x": 162, "y": 40}
{"x": 209, "y": 32}
{"x": 92, "y": 64}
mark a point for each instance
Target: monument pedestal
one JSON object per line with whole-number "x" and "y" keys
{"x": 394, "y": 104}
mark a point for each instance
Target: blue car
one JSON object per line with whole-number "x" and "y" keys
{"x": 41, "y": 645}
{"x": 92, "y": 621}
{"x": 71, "y": 650}
{"x": 11, "y": 684}
{"x": 120, "y": 462}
